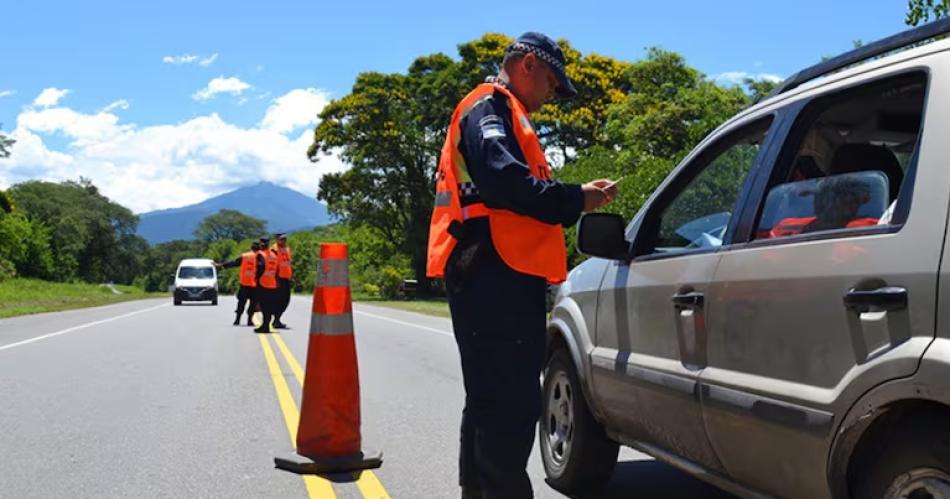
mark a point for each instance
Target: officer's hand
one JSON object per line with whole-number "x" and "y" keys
{"x": 598, "y": 193}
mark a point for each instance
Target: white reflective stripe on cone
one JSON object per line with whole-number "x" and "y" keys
{"x": 331, "y": 324}
{"x": 332, "y": 274}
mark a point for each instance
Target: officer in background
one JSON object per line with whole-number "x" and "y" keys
{"x": 266, "y": 284}
{"x": 492, "y": 167}
{"x": 284, "y": 273}
{"x": 248, "y": 280}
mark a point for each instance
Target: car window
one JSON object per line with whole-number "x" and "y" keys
{"x": 697, "y": 217}
{"x": 842, "y": 201}
{"x": 196, "y": 273}
{"x": 853, "y": 146}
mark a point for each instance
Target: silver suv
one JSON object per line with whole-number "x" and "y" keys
{"x": 771, "y": 320}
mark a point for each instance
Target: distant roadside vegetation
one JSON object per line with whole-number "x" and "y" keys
{"x": 23, "y": 296}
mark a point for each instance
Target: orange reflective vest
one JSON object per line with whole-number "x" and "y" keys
{"x": 269, "y": 277}
{"x": 284, "y": 270}
{"x": 525, "y": 244}
{"x": 248, "y": 277}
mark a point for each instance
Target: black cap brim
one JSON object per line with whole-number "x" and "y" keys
{"x": 565, "y": 89}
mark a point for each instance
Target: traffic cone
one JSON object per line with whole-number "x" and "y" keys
{"x": 328, "y": 435}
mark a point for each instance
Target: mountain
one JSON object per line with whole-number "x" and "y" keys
{"x": 285, "y": 210}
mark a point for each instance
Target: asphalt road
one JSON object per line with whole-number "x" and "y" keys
{"x": 143, "y": 399}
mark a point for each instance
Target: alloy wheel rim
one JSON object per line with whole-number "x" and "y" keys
{"x": 923, "y": 483}
{"x": 560, "y": 419}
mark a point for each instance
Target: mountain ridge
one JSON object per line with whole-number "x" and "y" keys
{"x": 284, "y": 210}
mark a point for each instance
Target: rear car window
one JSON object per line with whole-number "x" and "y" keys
{"x": 844, "y": 164}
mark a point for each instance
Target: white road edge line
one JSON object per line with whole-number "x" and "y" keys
{"x": 404, "y": 323}
{"x": 81, "y": 326}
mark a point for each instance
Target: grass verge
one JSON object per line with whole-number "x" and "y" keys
{"x": 432, "y": 306}
{"x": 32, "y": 296}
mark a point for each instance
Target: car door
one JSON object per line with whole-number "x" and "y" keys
{"x": 802, "y": 322}
{"x": 650, "y": 332}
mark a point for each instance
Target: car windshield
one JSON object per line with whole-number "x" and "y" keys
{"x": 195, "y": 273}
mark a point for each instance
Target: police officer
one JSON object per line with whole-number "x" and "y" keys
{"x": 266, "y": 283}
{"x": 284, "y": 273}
{"x": 496, "y": 273}
{"x": 248, "y": 281}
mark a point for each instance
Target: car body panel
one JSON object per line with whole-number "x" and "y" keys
{"x": 786, "y": 377}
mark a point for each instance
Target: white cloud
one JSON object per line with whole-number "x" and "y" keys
{"x": 737, "y": 77}
{"x": 50, "y": 97}
{"x": 180, "y": 59}
{"x": 119, "y": 104}
{"x": 294, "y": 109}
{"x": 232, "y": 85}
{"x": 163, "y": 166}
{"x": 7, "y": 93}
{"x": 190, "y": 59}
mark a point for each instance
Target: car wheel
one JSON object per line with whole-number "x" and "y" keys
{"x": 577, "y": 454}
{"x": 177, "y": 301}
{"x": 214, "y": 301}
{"x": 913, "y": 463}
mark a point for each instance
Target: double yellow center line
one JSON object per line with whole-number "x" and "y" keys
{"x": 317, "y": 487}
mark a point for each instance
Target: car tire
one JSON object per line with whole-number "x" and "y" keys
{"x": 914, "y": 462}
{"x": 214, "y": 301}
{"x": 177, "y": 301}
{"x": 576, "y": 452}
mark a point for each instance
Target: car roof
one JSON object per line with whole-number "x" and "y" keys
{"x": 196, "y": 262}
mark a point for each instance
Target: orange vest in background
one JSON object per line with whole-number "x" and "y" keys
{"x": 525, "y": 244}
{"x": 269, "y": 277}
{"x": 248, "y": 277}
{"x": 284, "y": 270}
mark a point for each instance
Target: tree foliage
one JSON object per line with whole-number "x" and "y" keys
{"x": 230, "y": 224}
{"x": 669, "y": 108}
{"x": 924, "y": 11}
{"x": 90, "y": 237}
{"x": 5, "y": 144}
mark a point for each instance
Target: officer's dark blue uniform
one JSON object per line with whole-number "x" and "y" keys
{"x": 498, "y": 314}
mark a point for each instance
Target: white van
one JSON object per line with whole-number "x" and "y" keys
{"x": 196, "y": 280}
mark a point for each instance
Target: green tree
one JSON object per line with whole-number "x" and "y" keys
{"x": 5, "y": 144}
{"x": 758, "y": 88}
{"x": 670, "y": 107}
{"x": 390, "y": 129}
{"x": 87, "y": 231}
{"x": 6, "y": 203}
{"x": 25, "y": 245}
{"x": 924, "y": 11}
{"x": 230, "y": 224}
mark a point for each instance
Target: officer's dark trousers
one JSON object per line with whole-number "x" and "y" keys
{"x": 499, "y": 320}
{"x": 268, "y": 300}
{"x": 245, "y": 294}
{"x": 283, "y": 298}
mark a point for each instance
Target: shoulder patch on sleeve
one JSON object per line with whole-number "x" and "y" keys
{"x": 491, "y": 126}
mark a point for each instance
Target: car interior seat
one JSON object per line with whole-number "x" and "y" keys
{"x": 850, "y": 158}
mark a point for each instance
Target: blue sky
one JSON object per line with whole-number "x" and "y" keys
{"x": 125, "y": 105}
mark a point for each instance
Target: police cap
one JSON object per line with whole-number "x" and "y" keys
{"x": 548, "y": 51}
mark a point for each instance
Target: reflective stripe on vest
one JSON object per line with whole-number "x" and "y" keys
{"x": 284, "y": 269}
{"x": 269, "y": 277}
{"x": 523, "y": 243}
{"x": 248, "y": 277}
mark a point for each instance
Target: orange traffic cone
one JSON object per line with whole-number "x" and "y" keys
{"x": 328, "y": 436}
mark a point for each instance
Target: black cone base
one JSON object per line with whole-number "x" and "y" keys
{"x": 301, "y": 465}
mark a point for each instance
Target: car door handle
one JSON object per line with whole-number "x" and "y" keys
{"x": 691, "y": 299}
{"x": 888, "y": 298}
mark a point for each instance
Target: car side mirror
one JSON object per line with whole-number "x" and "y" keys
{"x": 602, "y": 235}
